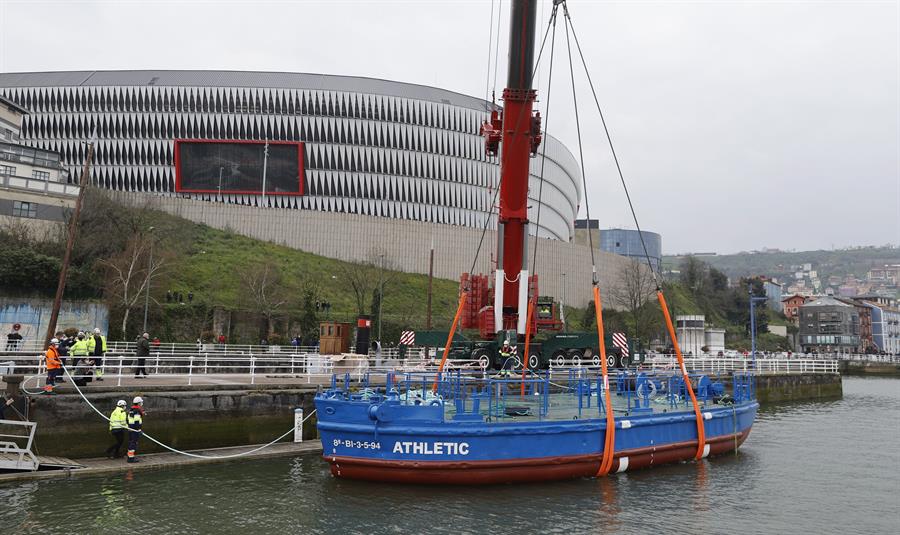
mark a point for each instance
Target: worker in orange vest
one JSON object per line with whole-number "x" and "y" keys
{"x": 54, "y": 365}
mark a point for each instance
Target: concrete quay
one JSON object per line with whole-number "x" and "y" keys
{"x": 162, "y": 461}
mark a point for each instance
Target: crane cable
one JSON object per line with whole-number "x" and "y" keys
{"x": 610, "y": 433}
{"x": 465, "y": 291}
{"x": 702, "y": 447}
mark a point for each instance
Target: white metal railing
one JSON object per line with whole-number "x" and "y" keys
{"x": 729, "y": 364}
{"x": 393, "y": 353}
{"x": 217, "y": 368}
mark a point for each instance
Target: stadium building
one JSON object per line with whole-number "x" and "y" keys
{"x": 336, "y": 165}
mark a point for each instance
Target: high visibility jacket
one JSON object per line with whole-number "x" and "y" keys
{"x": 135, "y": 418}
{"x": 92, "y": 344}
{"x": 118, "y": 419}
{"x": 79, "y": 349}
{"x": 52, "y": 357}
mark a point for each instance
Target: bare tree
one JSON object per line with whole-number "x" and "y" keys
{"x": 375, "y": 275}
{"x": 264, "y": 290}
{"x": 129, "y": 273}
{"x": 635, "y": 287}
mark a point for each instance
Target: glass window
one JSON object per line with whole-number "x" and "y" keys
{"x": 7, "y": 170}
{"x": 43, "y": 175}
{"x": 24, "y": 209}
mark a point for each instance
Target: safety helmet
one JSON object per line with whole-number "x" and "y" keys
{"x": 54, "y": 341}
{"x": 121, "y": 403}
{"x": 96, "y": 330}
{"x": 138, "y": 400}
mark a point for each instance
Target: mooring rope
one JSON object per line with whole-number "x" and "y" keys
{"x": 166, "y": 446}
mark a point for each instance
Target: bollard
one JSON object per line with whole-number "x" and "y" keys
{"x": 298, "y": 425}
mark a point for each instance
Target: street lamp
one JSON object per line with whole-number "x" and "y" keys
{"x": 753, "y": 301}
{"x": 380, "y": 295}
{"x": 149, "y": 275}
{"x": 220, "y": 182}
{"x": 562, "y": 305}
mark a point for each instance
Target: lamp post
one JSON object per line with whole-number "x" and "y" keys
{"x": 220, "y": 182}
{"x": 380, "y": 295}
{"x": 753, "y": 301}
{"x": 562, "y": 305}
{"x": 149, "y": 275}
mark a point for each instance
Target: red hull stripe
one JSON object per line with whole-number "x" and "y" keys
{"x": 521, "y": 470}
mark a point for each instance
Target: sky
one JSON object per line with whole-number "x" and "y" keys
{"x": 738, "y": 125}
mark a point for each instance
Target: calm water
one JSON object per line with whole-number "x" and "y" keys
{"x": 829, "y": 467}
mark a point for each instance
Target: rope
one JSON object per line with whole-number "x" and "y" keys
{"x": 497, "y": 45}
{"x": 527, "y": 342}
{"x": 612, "y": 149}
{"x": 487, "y": 74}
{"x": 537, "y": 222}
{"x": 587, "y": 204}
{"x": 459, "y": 309}
{"x": 174, "y": 450}
{"x": 487, "y": 220}
{"x": 701, "y": 434}
{"x": 610, "y": 438}
{"x": 701, "y": 437}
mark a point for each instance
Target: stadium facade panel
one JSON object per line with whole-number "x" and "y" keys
{"x": 370, "y": 147}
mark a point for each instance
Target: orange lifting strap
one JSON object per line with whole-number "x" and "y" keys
{"x": 701, "y": 434}
{"x": 610, "y": 444}
{"x": 527, "y": 342}
{"x": 462, "y": 303}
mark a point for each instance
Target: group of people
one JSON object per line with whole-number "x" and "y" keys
{"x": 82, "y": 353}
{"x": 123, "y": 420}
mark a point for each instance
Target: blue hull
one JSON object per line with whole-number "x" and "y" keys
{"x": 389, "y": 441}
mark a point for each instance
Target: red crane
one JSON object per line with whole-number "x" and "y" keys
{"x": 518, "y": 130}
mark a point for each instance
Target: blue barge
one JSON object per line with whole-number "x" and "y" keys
{"x": 464, "y": 429}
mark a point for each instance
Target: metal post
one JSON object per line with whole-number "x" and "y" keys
{"x": 265, "y": 165}
{"x": 149, "y": 275}
{"x": 190, "y": 369}
{"x": 298, "y": 425}
{"x": 220, "y": 183}
{"x": 252, "y": 370}
{"x": 380, "y": 296}
{"x": 119, "y": 383}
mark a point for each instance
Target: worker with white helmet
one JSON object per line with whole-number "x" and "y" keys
{"x": 135, "y": 427}
{"x": 54, "y": 365}
{"x": 118, "y": 424}
{"x": 97, "y": 348}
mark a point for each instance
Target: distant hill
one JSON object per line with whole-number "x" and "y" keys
{"x": 841, "y": 262}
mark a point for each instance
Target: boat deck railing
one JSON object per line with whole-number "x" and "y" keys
{"x": 467, "y": 396}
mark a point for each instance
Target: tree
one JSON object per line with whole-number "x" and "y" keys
{"x": 129, "y": 272}
{"x": 635, "y": 287}
{"x": 369, "y": 278}
{"x": 693, "y": 274}
{"x": 308, "y": 320}
{"x": 264, "y": 291}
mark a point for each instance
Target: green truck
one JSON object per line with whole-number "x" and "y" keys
{"x": 560, "y": 348}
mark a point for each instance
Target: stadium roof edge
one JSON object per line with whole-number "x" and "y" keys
{"x": 232, "y": 78}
